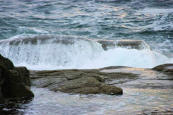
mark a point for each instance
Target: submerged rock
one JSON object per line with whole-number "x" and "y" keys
{"x": 130, "y": 44}
{"x": 107, "y": 44}
{"x": 134, "y": 44}
{"x": 14, "y": 81}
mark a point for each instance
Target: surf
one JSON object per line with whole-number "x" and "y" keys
{"x": 68, "y": 52}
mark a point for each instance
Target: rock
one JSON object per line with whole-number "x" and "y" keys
{"x": 137, "y": 77}
{"x": 107, "y": 44}
{"x": 164, "y": 68}
{"x": 74, "y": 81}
{"x": 24, "y": 74}
{"x": 14, "y": 82}
{"x": 132, "y": 44}
{"x": 88, "y": 85}
{"x": 104, "y": 80}
{"x": 16, "y": 90}
{"x": 111, "y": 90}
{"x": 6, "y": 62}
{"x": 14, "y": 86}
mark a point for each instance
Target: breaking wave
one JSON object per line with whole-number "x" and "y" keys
{"x": 64, "y": 52}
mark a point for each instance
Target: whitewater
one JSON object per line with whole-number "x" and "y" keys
{"x": 64, "y": 52}
{"x": 150, "y": 22}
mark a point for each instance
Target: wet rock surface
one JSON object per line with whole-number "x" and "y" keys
{"x": 146, "y": 83}
{"x": 104, "y": 80}
{"x": 74, "y": 81}
{"x": 145, "y": 78}
{"x": 167, "y": 68}
{"x": 130, "y": 44}
{"x": 14, "y": 82}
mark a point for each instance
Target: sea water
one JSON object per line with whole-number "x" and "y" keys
{"x": 148, "y": 20}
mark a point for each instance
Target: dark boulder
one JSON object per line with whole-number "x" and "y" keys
{"x": 6, "y": 62}
{"x": 24, "y": 75}
{"x": 14, "y": 86}
{"x": 14, "y": 82}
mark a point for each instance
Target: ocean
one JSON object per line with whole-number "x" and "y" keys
{"x": 62, "y": 34}
{"x": 147, "y": 20}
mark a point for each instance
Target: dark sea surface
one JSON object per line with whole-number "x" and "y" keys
{"x": 147, "y": 20}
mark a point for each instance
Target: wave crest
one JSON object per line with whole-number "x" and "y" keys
{"x": 64, "y": 52}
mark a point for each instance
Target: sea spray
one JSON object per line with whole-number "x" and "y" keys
{"x": 60, "y": 52}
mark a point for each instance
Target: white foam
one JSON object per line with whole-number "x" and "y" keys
{"x": 129, "y": 57}
{"x": 50, "y": 54}
{"x": 79, "y": 54}
{"x": 155, "y": 11}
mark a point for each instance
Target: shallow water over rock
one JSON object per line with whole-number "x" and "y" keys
{"x": 133, "y": 101}
{"x": 145, "y": 91}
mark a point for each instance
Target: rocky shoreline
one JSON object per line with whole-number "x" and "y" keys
{"x": 15, "y": 82}
{"x": 108, "y": 80}
{"x": 74, "y": 81}
{"x": 104, "y": 80}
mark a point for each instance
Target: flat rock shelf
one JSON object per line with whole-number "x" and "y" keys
{"x": 93, "y": 81}
{"x": 109, "y": 80}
